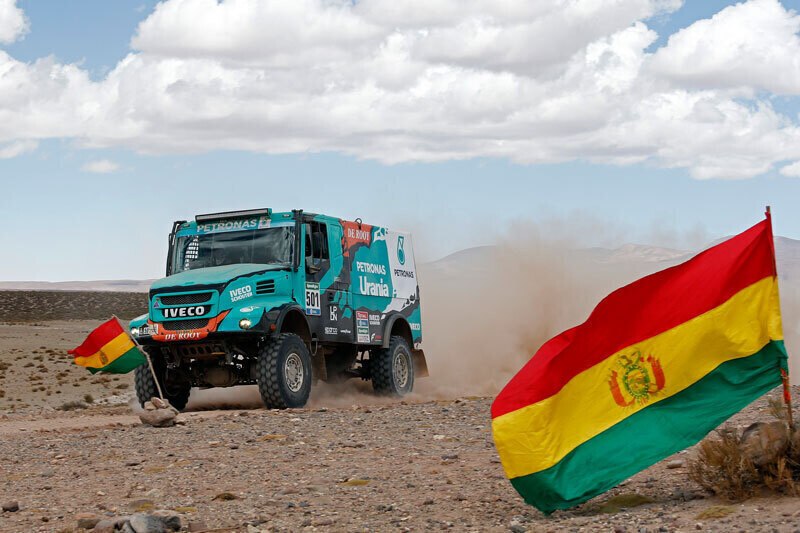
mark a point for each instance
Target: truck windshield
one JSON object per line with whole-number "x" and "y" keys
{"x": 271, "y": 246}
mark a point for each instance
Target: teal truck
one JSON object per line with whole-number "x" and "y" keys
{"x": 280, "y": 300}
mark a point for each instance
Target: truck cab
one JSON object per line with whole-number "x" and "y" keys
{"x": 281, "y": 300}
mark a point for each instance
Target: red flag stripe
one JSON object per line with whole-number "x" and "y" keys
{"x": 642, "y": 310}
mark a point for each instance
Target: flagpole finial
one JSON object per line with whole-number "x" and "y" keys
{"x": 768, "y": 212}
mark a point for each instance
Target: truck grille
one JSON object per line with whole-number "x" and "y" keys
{"x": 177, "y": 325}
{"x": 183, "y": 299}
{"x": 265, "y": 287}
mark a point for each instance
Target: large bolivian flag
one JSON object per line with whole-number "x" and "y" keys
{"x": 108, "y": 349}
{"x": 658, "y": 364}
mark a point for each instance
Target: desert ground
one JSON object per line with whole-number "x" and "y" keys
{"x": 72, "y": 444}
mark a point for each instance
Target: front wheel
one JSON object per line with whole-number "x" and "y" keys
{"x": 284, "y": 372}
{"x": 392, "y": 368}
{"x": 176, "y": 393}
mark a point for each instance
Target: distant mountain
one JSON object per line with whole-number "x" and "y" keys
{"x": 120, "y": 285}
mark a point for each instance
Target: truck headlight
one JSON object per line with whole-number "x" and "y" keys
{"x": 135, "y": 332}
{"x": 245, "y": 323}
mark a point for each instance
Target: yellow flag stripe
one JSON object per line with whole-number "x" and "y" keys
{"x": 538, "y": 436}
{"x": 108, "y": 353}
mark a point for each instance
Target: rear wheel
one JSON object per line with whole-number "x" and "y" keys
{"x": 392, "y": 368}
{"x": 284, "y": 372}
{"x": 175, "y": 391}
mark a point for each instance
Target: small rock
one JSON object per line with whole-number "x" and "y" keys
{"x": 148, "y": 406}
{"x": 160, "y": 403}
{"x": 155, "y": 523}
{"x": 160, "y": 418}
{"x": 11, "y": 507}
{"x": 516, "y": 528}
{"x": 764, "y": 442}
{"x": 677, "y": 463}
{"x": 170, "y": 519}
{"x": 87, "y": 520}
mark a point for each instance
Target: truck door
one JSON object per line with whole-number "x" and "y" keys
{"x": 325, "y": 283}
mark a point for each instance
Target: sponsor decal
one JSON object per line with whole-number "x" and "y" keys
{"x": 241, "y": 293}
{"x": 184, "y": 312}
{"x": 234, "y": 225}
{"x": 354, "y": 234}
{"x": 370, "y": 268}
{"x": 401, "y": 253}
{"x": 374, "y": 320}
{"x": 156, "y": 304}
{"x": 185, "y": 336}
{"x": 403, "y": 273}
{"x": 333, "y": 312}
{"x": 247, "y": 309}
{"x": 415, "y": 326}
{"x": 369, "y": 288}
{"x": 312, "y": 299}
{"x": 331, "y": 331}
{"x": 362, "y": 326}
{"x": 345, "y": 331}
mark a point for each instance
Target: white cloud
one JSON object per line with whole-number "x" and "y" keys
{"x": 791, "y": 170}
{"x": 753, "y": 44}
{"x": 17, "y": 148}
{"x": 13, "y": 23}
{"x": 427, "y": 80}
{"x": 100, "y": 166}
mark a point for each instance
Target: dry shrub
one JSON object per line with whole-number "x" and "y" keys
{"x": 777, "y": 409}
{"x": 72, "y": 405}
{"x": 723, "y": 469}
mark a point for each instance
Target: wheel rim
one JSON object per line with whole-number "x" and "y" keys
{"x": 400, "y": 370}
{"x": 293, "y": 372}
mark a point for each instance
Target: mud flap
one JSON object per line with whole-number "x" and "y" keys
{"x": 420, "y": 364}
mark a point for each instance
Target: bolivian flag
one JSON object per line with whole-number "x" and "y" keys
{"x": 108, "y": 349}
{"x": 657, "y": 365}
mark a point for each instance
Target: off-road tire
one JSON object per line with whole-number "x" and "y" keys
{"x": 280, "y": 387}
{"x": 392, "y": 368}
{"x": 145, "y": 385}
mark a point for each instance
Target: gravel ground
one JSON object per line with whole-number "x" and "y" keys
{"x": 399, "y": 467}
{"x": 349, "y": 462}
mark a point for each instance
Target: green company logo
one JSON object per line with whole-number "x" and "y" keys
{"x": 401, "y": 254}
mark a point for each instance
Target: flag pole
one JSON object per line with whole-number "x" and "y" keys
{"x": 146, "y": 356}
{"x": 787, "y": 391}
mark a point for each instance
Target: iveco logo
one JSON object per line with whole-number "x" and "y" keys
{"x": 181, "y": 312}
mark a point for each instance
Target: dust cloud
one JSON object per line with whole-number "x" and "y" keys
{"x": 486, "y": 311}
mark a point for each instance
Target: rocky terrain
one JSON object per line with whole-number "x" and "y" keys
{"x": 73, "y": 450}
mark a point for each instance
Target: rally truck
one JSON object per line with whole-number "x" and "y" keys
{"x": 280, "y": 300}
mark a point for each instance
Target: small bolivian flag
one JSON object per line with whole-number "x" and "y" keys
{"x": 657, "y": 365}
{"x": 108, "y": 349}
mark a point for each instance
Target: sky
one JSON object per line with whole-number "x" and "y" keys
{"x": 654, "y": 121}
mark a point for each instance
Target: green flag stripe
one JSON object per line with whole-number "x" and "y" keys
{"x": 124, "y": 363}
{"x": 653, "y": 433}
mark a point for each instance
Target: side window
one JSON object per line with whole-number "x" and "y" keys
{"x": 317, "y": 252}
